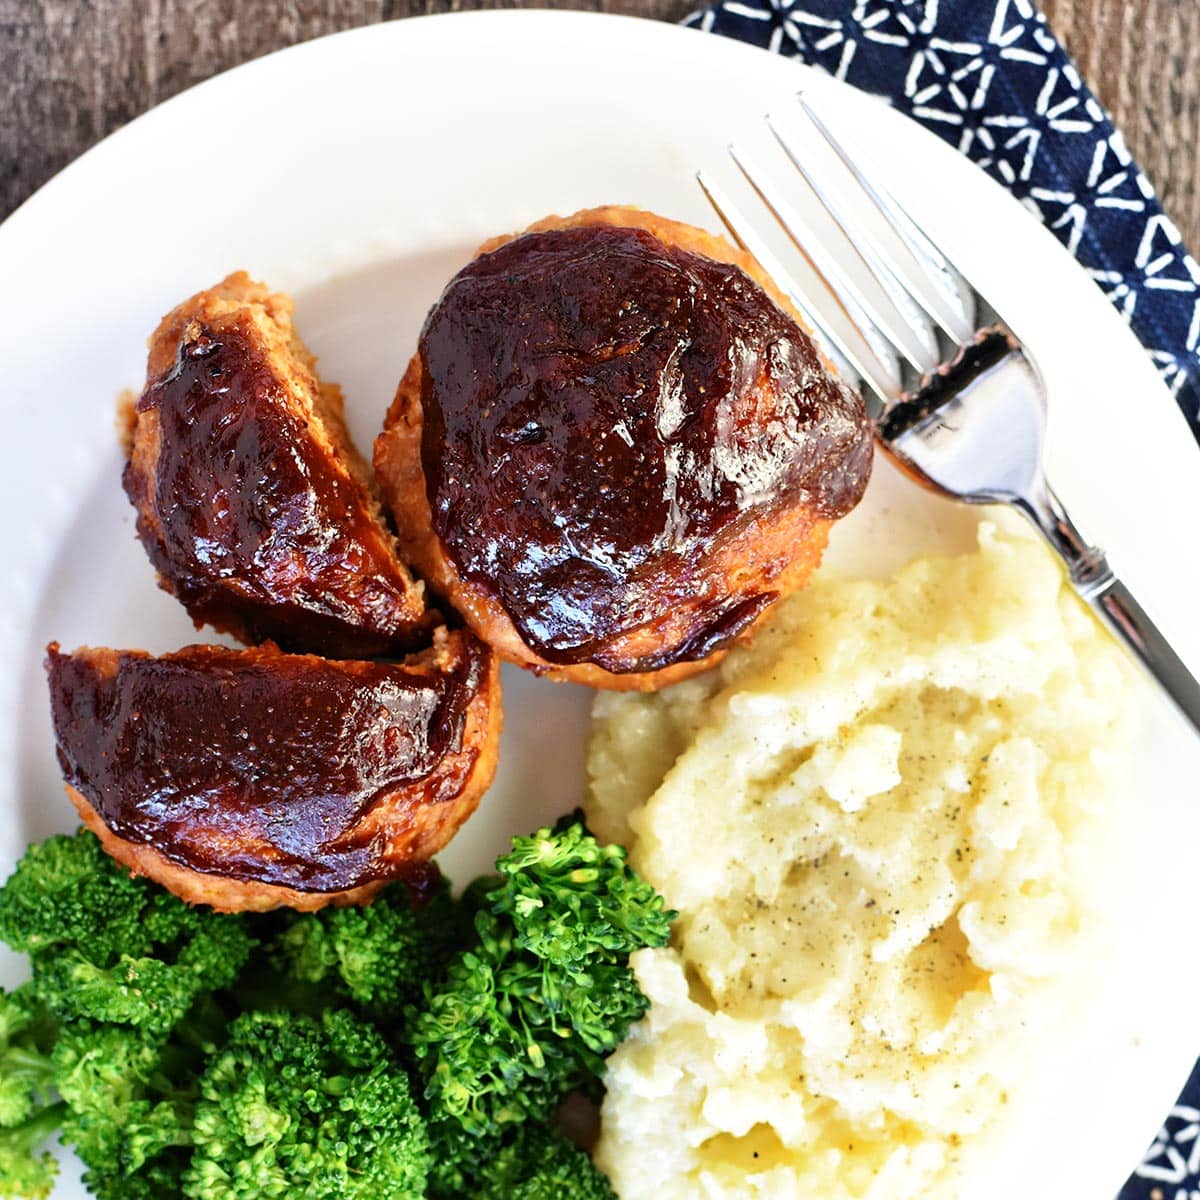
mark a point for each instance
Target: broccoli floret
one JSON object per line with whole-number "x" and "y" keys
{"x": 27, "y": 1034}
{"x": 27, "y": 1169}
{"x": 67, "y": 892}
{"x": 484, "y": 1042}
{"x": 458, "y": 1159}
{"x": 130, "y": 1095}
{"x": 148, "y": 991}
{"x": 29, "y": 1116}
{"x": 528, "y": 1014}
{"x": 24, "y": 1020}
{"x": 539, "y": 1163}
{"x": 158, "y": 1181}
{"x": 378, "y": 956}
{"x": 570, "y": 897}
{"x": 531, "y": 1161}
{"x": 110, "y": 947}
{"x": 293, "y": 1106}
{"x": 126, "y": 1098}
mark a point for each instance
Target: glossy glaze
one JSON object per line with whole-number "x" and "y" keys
{"x": 256, "y": 765}
{"x": 604, "y": 413}
{"x": 247, "y": 519}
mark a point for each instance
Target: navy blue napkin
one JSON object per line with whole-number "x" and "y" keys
{"x": 989, "y": 77}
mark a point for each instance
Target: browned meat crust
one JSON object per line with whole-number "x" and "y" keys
{"x": 249, "y": 779}
{"x": 253, "y": 504}
{"x": 611, "y": 485}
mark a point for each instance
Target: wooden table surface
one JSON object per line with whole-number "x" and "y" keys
{"x": 72, "y": 71}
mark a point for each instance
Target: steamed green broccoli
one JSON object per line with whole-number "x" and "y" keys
{"x": 539, "y": 1163}
{"x": 128, "y": 971}
{"x": 179, "y": 1070}
{"x": 27, "y": 1169}
{"x": 293, "y": 1106}
{"x": 126, "y": 1100}
{"x": 571, "y": 897}
{"x": 29, "y": 1116}
{"x": 527, "y": 1014}
{"x": 379, "y": 955}
{"x": 109, "y": 947}
{"x": 288, "y": 1105}
{"x": 458, "y": 1160}
{"x": 529, "y": 1161}
{"x": 131, "y": 1095}
{"x": 27, "y": 1035}
{"x": 484, "y": 1040}
{"x": 112, "y": 1091}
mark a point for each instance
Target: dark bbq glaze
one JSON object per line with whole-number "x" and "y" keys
{"x": 602, "y": 412}
{"x": 254, "y": 530}
{"x": 256, "y": 765}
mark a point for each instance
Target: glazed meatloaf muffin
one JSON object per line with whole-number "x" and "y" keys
{"x": 253, "y": 504}
{"x": 250, "y": 779}
{"x": 617, "y": 447}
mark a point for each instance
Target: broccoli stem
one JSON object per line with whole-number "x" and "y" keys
{"x": 28, "y": 1065}
{"x": 42, "y": 1126}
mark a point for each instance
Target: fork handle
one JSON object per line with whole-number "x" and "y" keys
{"x": 1094, "y": 581}
{"x": 1126, "y": 618}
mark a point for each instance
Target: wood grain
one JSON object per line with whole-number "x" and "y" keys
{"x": 1142, "y": 59}
{"x": 72, "y": 71}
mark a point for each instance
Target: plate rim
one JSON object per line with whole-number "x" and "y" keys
{"x": 13, "y": 228}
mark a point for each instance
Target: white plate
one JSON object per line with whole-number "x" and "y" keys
{"x": 359, "y": 172}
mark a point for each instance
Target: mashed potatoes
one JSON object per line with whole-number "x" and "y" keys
{"x": 881, "y": 826}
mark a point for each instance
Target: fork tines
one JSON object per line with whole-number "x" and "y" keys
{"x": 905, "y": 307}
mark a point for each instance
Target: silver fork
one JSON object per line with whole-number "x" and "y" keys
{"x": 958, "y": 402}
